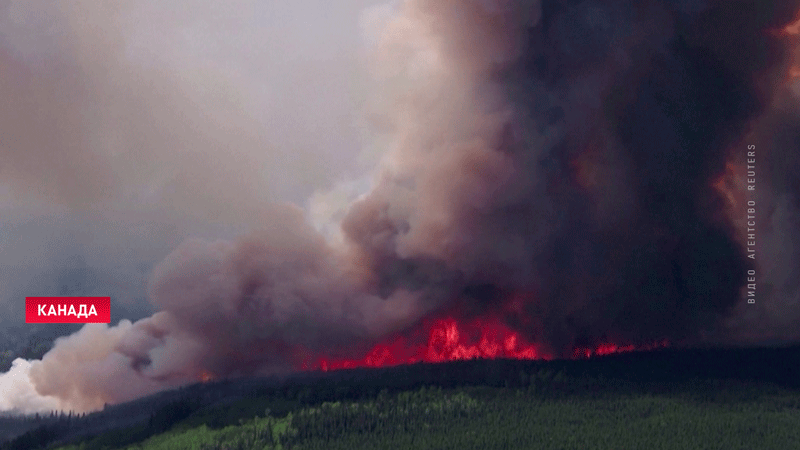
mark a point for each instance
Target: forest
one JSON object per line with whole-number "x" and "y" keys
{"x": 665, "y": 399}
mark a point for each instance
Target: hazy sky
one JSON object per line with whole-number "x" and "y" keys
{"x": 126, "y": 128}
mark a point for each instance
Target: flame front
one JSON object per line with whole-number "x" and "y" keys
{"x": 451, "y": 340}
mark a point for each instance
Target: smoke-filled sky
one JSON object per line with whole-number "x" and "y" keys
{"x": 126, "y": 128}
{"x": 319, "y": 175}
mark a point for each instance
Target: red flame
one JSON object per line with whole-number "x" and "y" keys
{"x": 608, "y": 349}
{"x": 451, "y": 340}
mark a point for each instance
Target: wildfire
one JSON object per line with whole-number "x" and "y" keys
{"x": 793, "y": 28}
{"x": 206, "y": 376}
{"x": 450, "y": 340}
{"x": 731, "y": 185}
{"x": 792, "y": 31}
{"x": 608, "y": 349}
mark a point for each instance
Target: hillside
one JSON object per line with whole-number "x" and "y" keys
{"x": 708, "y": 377}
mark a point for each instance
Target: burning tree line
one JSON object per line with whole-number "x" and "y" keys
{"x": 427, "y": 400}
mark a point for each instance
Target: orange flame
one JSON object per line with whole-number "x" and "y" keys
{"x": 790, "y": 31}
{"x": 731, "y": 185}
{"x": 793, "y": 28}
{"x": 206, "y": 376}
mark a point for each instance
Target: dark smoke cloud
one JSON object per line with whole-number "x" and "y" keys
{"x": 583, "y": 169}
{"x": 568, "y": 152}
{"x": 775, "y": 136}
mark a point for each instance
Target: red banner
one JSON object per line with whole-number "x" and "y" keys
{"x": 67, "y": 309}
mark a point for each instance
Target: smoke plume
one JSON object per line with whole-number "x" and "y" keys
{"x": 556, "y": 163}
